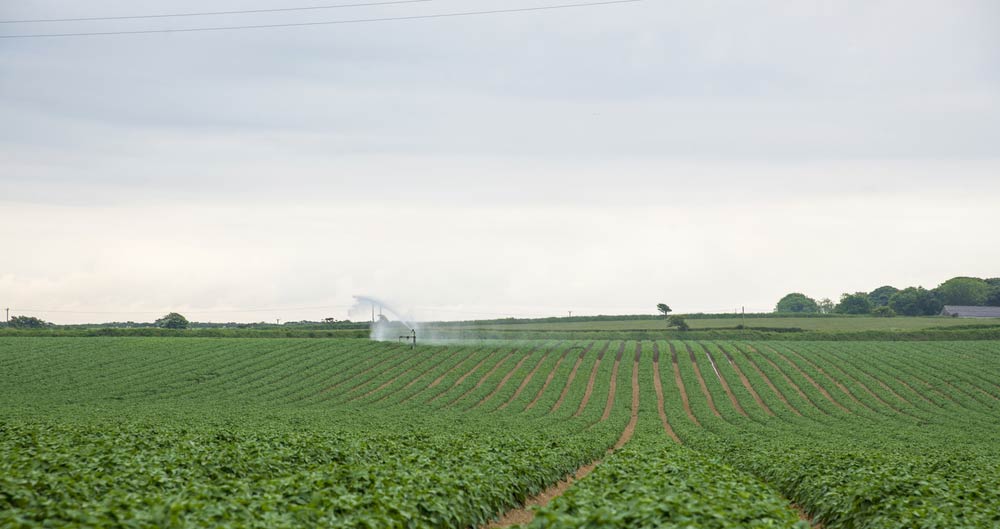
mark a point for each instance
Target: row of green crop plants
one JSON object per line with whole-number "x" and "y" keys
{"x": 345, "y": 452}
{"x": 892, "y": 440}
{"x": 859, "y": 435}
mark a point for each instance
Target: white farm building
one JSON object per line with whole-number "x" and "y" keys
{"x": 958, "y": 311}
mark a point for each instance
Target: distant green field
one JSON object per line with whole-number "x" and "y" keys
{"x": 832, "y": 324}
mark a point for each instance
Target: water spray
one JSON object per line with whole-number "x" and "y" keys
{"x": 382, "y": 328}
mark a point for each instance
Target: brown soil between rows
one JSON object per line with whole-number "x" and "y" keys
{"x": 409, "y": 370}
{"x": 377, "y": 364}
{"x": 440, "y": 377}
{"x": 525, "y": 514}
{"x": 571, "y": 377}
{"x": 504, "y": 380}
{"x": 880, "y": 382}
{"x": 746, "y": 382}
{"x": 413, "y": 382}
{"x": 634, "y": 415}
{"x": 482, "y": 379}
{"x": 835, "y": 382}
{"x": 868, "y": 390}
{"x": 725, "y": 385}
{"x": 931, "y": 388}
{"x": 948, "y": 382}
{"x": 912, "y": 390}
{"x": 701, "y": 382}
{"x": 767, "y": 380}
{"x": 658, "y": 386}
{"x": 548, "y": 379}
{"x": 804, "y": 516}
{"x": 593, "y": 378}
{"x": 526, "y": 381}
{"x": 614, "y": 384}
{"x": 788, "y": 380}
{"x": 383, "y": 364}
{"x": 680, "y": 386}
{"x": 347, "y": 359}
{"x": 464, "y": 376}
{"x": 809, "y": 379}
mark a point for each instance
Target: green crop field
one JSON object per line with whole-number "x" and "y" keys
{"x": 219, "y": 432}
{"x": 827, "y": 324}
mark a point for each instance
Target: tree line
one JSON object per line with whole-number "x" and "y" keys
{"x": 888, "y": 300}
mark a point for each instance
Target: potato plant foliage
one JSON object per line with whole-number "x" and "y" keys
{"x": 218, "y": 432}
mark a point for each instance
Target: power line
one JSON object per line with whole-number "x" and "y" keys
{"x": 213, "y": 13}
{"x": 323, "y": 23}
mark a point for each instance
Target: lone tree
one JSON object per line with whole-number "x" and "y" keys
{"x": 172, "y": 321}
{"x": 797, "y": 302}
{"x": 663, "y": 308}
{"x": 27, "y": 322}
{"x": 677, "y": 321}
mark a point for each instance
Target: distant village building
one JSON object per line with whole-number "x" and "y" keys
{"x": 958, "y": 311}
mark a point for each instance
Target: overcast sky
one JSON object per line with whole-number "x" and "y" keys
{"x": 600, "y": 159}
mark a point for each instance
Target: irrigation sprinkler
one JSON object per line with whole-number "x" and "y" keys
{"x": 412, "y": 338}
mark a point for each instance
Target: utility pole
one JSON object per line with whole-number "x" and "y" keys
{"x": 743, "y": 331}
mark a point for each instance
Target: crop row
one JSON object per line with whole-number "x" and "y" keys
{"x": 341, "y": 432}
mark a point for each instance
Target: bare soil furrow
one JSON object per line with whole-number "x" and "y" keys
{"x": 590, "y": 383}
{"x": 365, "y": 371}
{"x": 873, "y": 373}
{"x": 658, "y": 386}
{"x": 420, "y": 377}
{"x": 481, "y": 380}
{"x": 570, "y": 378}
{"x": 447, "y": 372}
{"x": 722, "y": 380}
{"x": 701, "y": 382}
{"x": 634, "y": 415}
{"x": 548, "y": 380}
{"x": 437, "y": 381}
{"x": 385, "y": 364}
{"x": 746, "y": 382}
{"x": 503, "y": 381}
{"x": 915, "y": 392}
{"x": 525, "y": 514}
{"x": 680, "y": 386}
{"x": 767, "y": 380}
{"x": 614, "y": 384}
{"x": 789, "y": 381}
{"x": 526, "y": 381}
{"x": 406, "y": 372}
{"x": 812, "y": 381}
{"x": 836, "y": 382}
{"x": 872, "y": 394}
